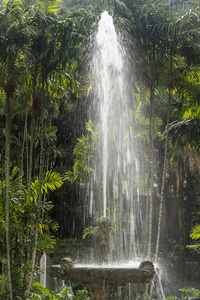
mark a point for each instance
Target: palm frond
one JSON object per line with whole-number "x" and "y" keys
{"x": 46, "y": 242}
{"x": 55, "y": 6}
{"x": 49, "y": 225}
{"x": 195, "y": 235}
{"x": 52, "y": 181}
{"x": 70, "y": 176}
{"x": 185, "y": 132}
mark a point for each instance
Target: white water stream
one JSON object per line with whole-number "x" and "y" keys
{"x": 113, "y": 190}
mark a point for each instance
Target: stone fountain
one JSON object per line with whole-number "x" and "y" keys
{"x": 103, "y": 279}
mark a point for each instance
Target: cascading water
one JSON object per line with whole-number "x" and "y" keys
{"x": 113, "y": 188}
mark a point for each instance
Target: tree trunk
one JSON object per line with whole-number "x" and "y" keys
{"x": 40, "y": 178}
{"x": 181, "y": 218}
{"x": 132, "y": 243}
{"x": 146, "y": 230}
{"x": 29, "y": 170}
{"x": 119, "y": 221}
{"x": 152, "y": 172}
{"x": 29, "y": 179}
{"x": 164, "y": 165}
{"x": 7, "y": 183}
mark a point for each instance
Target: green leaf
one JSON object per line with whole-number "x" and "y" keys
{"x": 195, "y": 235}
{"x": 52, "y": 181}
{"x": 90, "y": 231}
{"x": 190, "y": 292}
{"x": 70, "y": 176}
{"x": 54, "y": 7}
{"x": 39, "y": 290}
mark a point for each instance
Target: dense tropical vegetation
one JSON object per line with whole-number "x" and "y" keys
{"x": 44, "y": 50}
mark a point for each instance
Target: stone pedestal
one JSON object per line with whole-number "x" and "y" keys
{"x": 104, "y": 231}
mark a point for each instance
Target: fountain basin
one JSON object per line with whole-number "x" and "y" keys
{"x": 103, "y": 273}
{"x": 102, "y": 280}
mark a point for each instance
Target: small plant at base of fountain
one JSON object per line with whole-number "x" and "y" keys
{"x": 38, "y": 292}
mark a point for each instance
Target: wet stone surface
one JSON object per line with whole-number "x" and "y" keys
{"x": 115, "y": 275}
{"x": 103, "y": 279}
